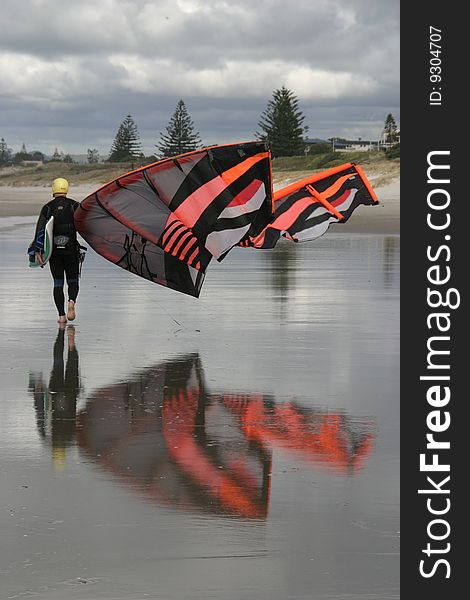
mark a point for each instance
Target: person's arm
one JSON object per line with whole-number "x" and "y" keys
{"x": 75, "y": 206}
{"x": 39, "y": 235}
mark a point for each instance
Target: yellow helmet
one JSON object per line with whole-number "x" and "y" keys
{"x": 60, "y": 186}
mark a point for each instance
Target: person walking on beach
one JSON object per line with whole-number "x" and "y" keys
{"x": 65, "y": 258}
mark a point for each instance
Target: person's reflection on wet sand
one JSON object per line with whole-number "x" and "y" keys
{"x": 56, "y": 404}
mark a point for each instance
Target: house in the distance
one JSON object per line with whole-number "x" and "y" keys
{"x": 338, "y": 144}
{"x": 359, "y": 145}
{"x": 362, "y": 145}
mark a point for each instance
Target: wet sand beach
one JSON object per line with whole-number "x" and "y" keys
{"x": 244, "y": 445}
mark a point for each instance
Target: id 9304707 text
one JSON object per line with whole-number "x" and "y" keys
{"x": 435, "y": 66}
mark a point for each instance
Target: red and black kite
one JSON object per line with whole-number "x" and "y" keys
{"x": 167, "y": 220}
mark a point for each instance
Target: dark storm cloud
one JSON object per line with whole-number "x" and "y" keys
{"x": 71, "y": 71}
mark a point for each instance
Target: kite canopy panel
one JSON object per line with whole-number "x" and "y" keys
{"x": 167, "y": 220}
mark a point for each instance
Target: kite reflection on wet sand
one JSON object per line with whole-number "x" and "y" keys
{"x": 165, "y": 435}
{"x": 166, "y": 221}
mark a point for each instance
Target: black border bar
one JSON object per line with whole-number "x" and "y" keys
{"x": 434, "y": 355}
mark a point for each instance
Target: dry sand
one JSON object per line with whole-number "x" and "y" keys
{"x": 382, "y": 219}
{"x": 27, "y": 201}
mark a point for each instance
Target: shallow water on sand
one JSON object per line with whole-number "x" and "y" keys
{"x": 243, "y": 445}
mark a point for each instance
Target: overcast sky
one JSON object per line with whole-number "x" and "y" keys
{"x": 70, "y": 70}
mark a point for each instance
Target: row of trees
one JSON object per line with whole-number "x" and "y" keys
{"x": 7, "y": 157}
{"x": 180, "y": 137}
{"x": 281, "y": 125}
{"x": 6, "y": 154}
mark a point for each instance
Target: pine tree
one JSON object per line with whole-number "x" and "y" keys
{"x": 281, "y": 124}
{"x": 5, "y": 152}
{"x": 126, "y": 145}
{"x": 22, "y": 155}
{"x": 390, "y": 133}
{"x": 57, "y": 156}
{"x": 93, "y": 156}
{"x": 180, "y": 136}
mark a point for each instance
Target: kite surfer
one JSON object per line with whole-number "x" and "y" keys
{"x": 66, "y": 255}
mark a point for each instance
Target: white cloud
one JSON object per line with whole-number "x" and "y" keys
{"x": 61, "y": 80}
{"x": 104, "y": 59}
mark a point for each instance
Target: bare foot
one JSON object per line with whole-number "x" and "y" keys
{"x": 62, "y": 320}
{"x": 71, "y": 310}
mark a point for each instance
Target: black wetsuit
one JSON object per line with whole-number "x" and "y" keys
{"x": 65, "y": 258}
